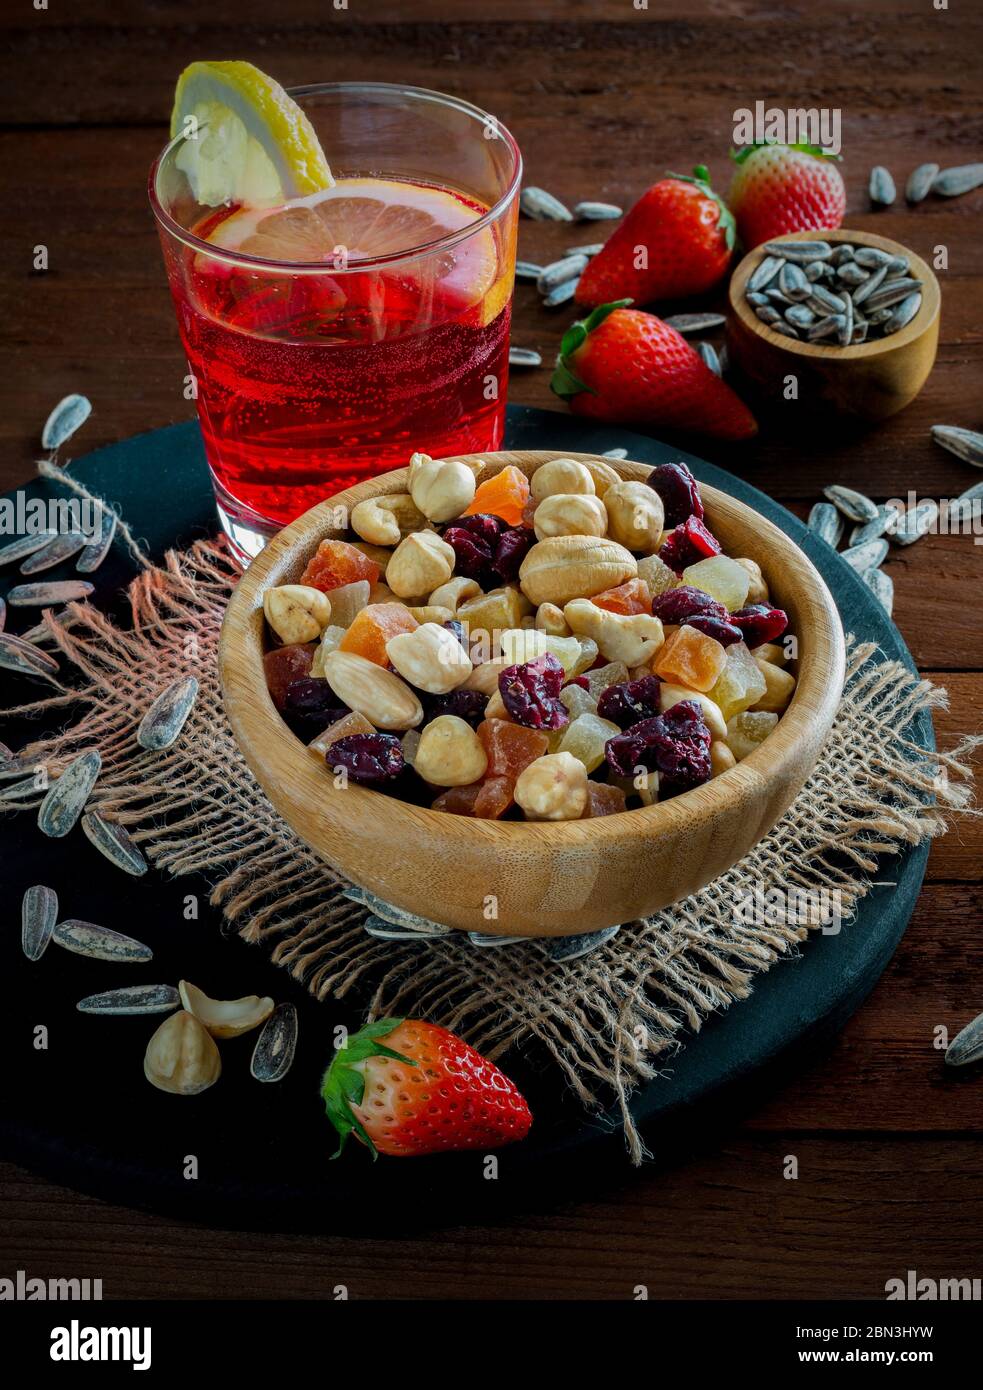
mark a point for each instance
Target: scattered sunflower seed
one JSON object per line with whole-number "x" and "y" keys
{"x": 695, "y": 323}
{"x": 527, "y": 270}
{"x": 25, "y": 659}
{"x": 166, "y": 717}
{"x": 17, "y": 792}
{"x": 966, "y": 1046}
{"x": 597, "y": 212}
{"x": 66, "y": 798}
{"x": 884, "y": 522}
{"x": 538, "y": 204}
{"x": 3, "y": 614}
{"x": 563, "y": 949}
{"x": 854, "y": 505}
{"x": 115, "y": 842}
{"x": 559, "y": 272}
{"x": 881, "y": 187}
{"x": 10, "y": 639}
{"x": 134, "y": 999}
{"x": 800, "y": 250}
{"x": 41, "y": 632}
{"x": 39, "y": 913}
{"x": 25, "y": 545}
{"x": 489, "y": 940}
{"x": 97, "y": 546}
{"x": 827, "y": 523}
{"x": 866, "y": 556}
{"x": 68, "y": 416}
{"x": 882, "y": 586}
{"x": 709, "y": 354}
{"x": 18, "y": 766}
{"x": 962, "y": 506}
{"x": 63, "y": 547}
{"x": 965, "y": 444}
{"x": 47, "y": 595}
{"x": 391, "y": 931}
{"x": 562, "y": 294}
{"x": 524, "y": 357}
{"x": 920, "y": 182}
{"x": 276, "y": 1045}
{"x": 961, "y": 179}
{"x": 764, "y": 272}
{"x": 591, "y": 249}
{"x": 916, "y": 522}
{"x": 615, "y": 453}
{"x": 99, "y": 943}
{"x": 397, "y": 915}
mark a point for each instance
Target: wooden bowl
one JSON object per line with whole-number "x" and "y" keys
{"x": 867, "y": 381}
{"x": 549, "y": 879}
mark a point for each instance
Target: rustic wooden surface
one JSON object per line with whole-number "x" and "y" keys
{"x": 602, "y": 98}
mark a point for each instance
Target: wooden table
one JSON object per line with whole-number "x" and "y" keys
{"x": 603, "y": 98}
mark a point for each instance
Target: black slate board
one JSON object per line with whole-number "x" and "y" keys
{"x": 82, "y": 1113}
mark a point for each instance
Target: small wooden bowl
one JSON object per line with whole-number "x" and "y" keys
{"x": 549, "y": 879}
{"x": 867, "y": 381}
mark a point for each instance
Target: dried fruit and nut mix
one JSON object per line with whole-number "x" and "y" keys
{"x": 555, "y": 651}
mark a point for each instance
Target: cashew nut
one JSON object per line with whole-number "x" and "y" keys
{"x": 633, "y": 638}
{"x": 386, "y": 520}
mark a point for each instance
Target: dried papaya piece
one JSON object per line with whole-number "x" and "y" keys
{"x": 504, "y": 495}
{"x": 335, "y": 563}
{"x": 372, "y": 628}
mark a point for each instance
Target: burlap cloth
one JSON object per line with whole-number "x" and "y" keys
{"x": 608, "y": 1021}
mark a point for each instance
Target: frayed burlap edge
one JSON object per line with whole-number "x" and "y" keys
{"x": 610, "y": 1020}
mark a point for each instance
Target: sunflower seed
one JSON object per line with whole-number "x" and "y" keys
{"x": 615, "y": 453}
{"x": 965, "y": 444}
{"x": 724, "y": 358}
{"x": 39, "y": 913}
{"x": 61, "y": 548}
{"x": 916, "y": 522}
{"x": 884, "y": 522}
{"x": 903, "y": 314}
{"x": 785, "y": 328}
{"x": 866, "y": 556}
{"x": 764, "y": 272}
{"x": 961, "y": 179}
{"x": 920, "y": 182}
{"x": 47, "y": 595}
{"x": 524, "y": 357}
{"x": 397, "y": 915}
{"x": 527, "y": 270}
{"x": 538, "y": 204}
{"x": 97, "y": 546}
{"x": 25, "y": 545}
{"x": 815, "y": 270}
{"x": 115, "y": 842}
{"x": 842, "y": 253}
{"x": 3, "y": 614}
{"x": 489, "y": 940}
{"x": 391, "y": 931}
{"x": 854, "y": 505}
{"x": 591, "y": 249}
{"x": 276, "y": 1045}
{"x": 563, "y": 949}
{"x": 793, "y": 283}
{"x": 864, "y": 291}
{"x": 897, "y": 265}
{"x": 882, "y": 586}
{"x": 165, "y": 718}
{"x": 68, "y": 415}
{"x": 872, "y": 257}
{"x": 827, "y": 327}
{"x": 878, "y": 317}
{"x": 66, "y": 798}
{"x": 852, "y": 274}
{"x": 964, "y": 507}
{"x": 695, "y": 323}
{"x": 767, "y": 314}
{"x": 29, "y": 649}
{"x": 758, "y": 298}
{"x": 824, "y": 301}
{"x": 562, "y": 294}
{"x": 891, "y": 292}
{"x": 776, "y": 298}
{"x": 800, "y": 250}
{"x": 41, "y": 632}
{"x": 881, "y": 187}
{"x": 99, "y": 943}
{"x": 597, "y": 212}
{"x": 709, "y": 355}
{"x": 967, "y": 1045}
{"x": 846, "y": 328}
{"x": 16, "y": 793}
{"x": 134, "y": 999}
{"x": 559, "y": 272}
{"x": 25, "y": 659}
{"x": 18, "y": 766}
{"x": 825, "y": 521}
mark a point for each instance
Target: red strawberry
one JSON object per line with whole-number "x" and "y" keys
{"x": 778, "y": 189}
{"x": 633, "y": 369}
{"x": 682, "y": 232}
{"x": 421, "y": 1091}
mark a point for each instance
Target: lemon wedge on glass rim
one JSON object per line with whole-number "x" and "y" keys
{"x": 246, "y": 140}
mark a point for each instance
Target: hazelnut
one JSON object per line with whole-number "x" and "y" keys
{"x": 484, "y": 677}
{"x": 550, "y": 619}
{"x": 603, "y": 475}
{"x": 181, "y": 1056}
{"x": 553, "y": 787}
{"x": 561, "y": 475}
{"x": 565, "y": 567}
{"x": 721, "y": 758}
{"x": 419, "y": 564}
{"x": 441, "y": 488}
{"x": 633, "y": 638}
{"x": 429, "y": 657}
{"x": 297, "y": 613}
{"x": 779, "y": 686}
{"x": 450, "y": 753}
{"x": 570, "y": 514}
{"x": 757, "y": 589}
{"x": 635, "y": 516}
{"x": 670, "y": 695}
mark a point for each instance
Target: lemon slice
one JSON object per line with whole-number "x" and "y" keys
{"x": 246, "y": 140}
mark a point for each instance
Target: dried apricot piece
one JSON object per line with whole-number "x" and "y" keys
{"x": 603, "y": 800}
{"x": 283, "y": 666}
{"x": 631, "y": 597}
{"x": 510, "y": 747}
{"x": 335, "y": 563}
{"x": 486, "y": 800}
{"x": 372, "y": 628}
{"x": 504, "y": 495}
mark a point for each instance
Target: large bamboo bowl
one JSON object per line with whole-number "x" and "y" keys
{"x": 549, "y": 879}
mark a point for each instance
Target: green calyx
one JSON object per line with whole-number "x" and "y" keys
{"x": 564, "y": 381}
{"x": 742, "y": 155}
{"x": 700, "y": 177}
{"x": 342, "y": 1086}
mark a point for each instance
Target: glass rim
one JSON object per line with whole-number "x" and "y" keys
{"x": 199, "y": 245}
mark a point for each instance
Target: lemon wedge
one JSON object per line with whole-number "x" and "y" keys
{"x": 246, "y": 141}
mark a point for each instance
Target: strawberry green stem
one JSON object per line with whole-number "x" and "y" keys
{"x": 564, "y": 381}
{"x": 343, "y": 1086}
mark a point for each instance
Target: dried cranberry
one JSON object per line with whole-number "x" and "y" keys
{"x": 468, "y": 705}
{"x": 688, "y": 543}
{"x": 630, "y": 702}
{"x": 675, "y": 744}
{"x": 511, "y": 550}
{"x": 473, "y": 554}
{"x": 582, "y": 681}
{"x": 759, "y": 622}
{"x": 367, "y": 758}
{"x": 679, "y": 605}
{"x": 530, "y": 693}
{"x": 455, "y": 626}
{"x": 720, "y": 629}
{"x": 310, "y": 705}
{"x": 483, "y": 526}
{"x": 679, "y": 490}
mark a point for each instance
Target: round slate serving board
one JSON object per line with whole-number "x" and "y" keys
{"x": 81, "y": 1112}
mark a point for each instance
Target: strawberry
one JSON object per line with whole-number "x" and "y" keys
{"x": 631, "y": 368}
{"x": 421, "y": 1091}
{"x": 778, "y": 189}
{"x": 682, "y": 232}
